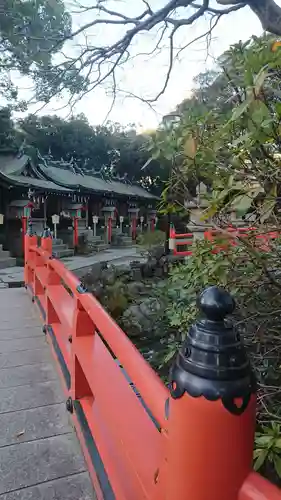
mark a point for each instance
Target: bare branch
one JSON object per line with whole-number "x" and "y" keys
{"x": 150, "y": 11}
{"x": 94, "y": 63}
{"x": 268, "y": 12}
{"x": 107, "y": 59}
{"x": 221, "y": 12}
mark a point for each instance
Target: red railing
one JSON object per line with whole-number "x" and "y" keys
{"x": 186, "y": 239}
{"x": 140, "y": 442}
{"x": 221, "y": 240}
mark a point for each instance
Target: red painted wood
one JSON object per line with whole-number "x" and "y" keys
{"x": 201, "y": 452}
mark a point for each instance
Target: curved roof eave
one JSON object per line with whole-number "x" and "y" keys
{"x": 60, "y": 180}
{"x": 30, "y": 182}
{"x": 90, "y": 183}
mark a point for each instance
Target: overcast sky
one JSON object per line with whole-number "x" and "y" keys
{"x": 144, "y": 75}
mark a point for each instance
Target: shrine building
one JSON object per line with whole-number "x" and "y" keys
{"x": 82, "y": 203}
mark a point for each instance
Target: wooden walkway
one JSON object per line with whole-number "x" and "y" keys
{"x": 40, "y": 457}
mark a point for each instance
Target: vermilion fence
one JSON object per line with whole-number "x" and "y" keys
{"x": 220, "y": 239}
{"x": 143, "y": 441}
{"x": 178, "y": 240}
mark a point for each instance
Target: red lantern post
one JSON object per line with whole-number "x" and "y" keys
{"x": 24, "y": 230}
{"x": 24, "y": 224}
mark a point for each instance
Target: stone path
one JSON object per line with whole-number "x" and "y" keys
{"x": 40, "y": 456}
{"x": 13, "y": 276}
{"x": 113, "y": 256}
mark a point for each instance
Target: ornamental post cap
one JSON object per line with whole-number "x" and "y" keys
{"x": 212, "y": 361}
{"x": 216, "y": 303}
{"x": 29, "y": 231}
{"x": 46, "y": 233}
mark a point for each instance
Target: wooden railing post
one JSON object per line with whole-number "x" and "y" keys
{"x": 172, "y": 239}
{"x": 46, "y": 241}
{"x": 211, "y": 413}
{"x": 30, "y": 240}
{"x": 82, "y": 326}
{"x": 208, "y": 235}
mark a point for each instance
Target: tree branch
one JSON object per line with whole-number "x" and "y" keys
{"x": 268, "y": 12}
{"x": 95, "y": 64}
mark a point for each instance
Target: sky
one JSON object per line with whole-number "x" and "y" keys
{"x": 144, "y": 75}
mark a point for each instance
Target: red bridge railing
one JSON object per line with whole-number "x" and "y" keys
{"x": 141, "y": 440}
{"x": 179, "y": 240}
{"x": 221, "y": 241}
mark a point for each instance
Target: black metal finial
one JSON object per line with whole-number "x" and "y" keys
{"x": 46, "y": 233}
{"x": 216, "y": 303}
{"x": 29, "y": 231}
{"x": 212, "y": 361}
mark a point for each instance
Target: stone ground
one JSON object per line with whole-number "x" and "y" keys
{"x": 13, "y": 276}
{"x": 40, "y": 456}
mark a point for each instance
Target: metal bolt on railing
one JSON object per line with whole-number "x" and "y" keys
{"x": 69, "y": 405}
{"x": 82, "y": 287}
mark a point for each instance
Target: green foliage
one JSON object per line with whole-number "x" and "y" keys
{"x": 268, "y": 448}
{"x": 30, "y": 33}
{"x": 103, "y": 149}
{"x": 228, "y": 133}
{"x": 116, "y": 299}
{"x": 31, "y": 29}
{"x": 8, "y": 138}
{"x": 151, "y": 239}
{"x": 188, "y": 280}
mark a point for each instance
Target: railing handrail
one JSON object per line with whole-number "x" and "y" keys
{"x": 256, "y": 487}
{"x": 146, "y": 380}
{"x": 183, "y": 235}
{"x": 211, "y": 233}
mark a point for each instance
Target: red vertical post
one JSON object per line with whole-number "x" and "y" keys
{"x": 75, "y": 233}
{"x": 109, "y": 230}
{"x": 82, "y": 327}
{"x": 152, "y": 224}
{"x": 30, "y": 239}
{"x": 211, "y": 412}
{"x": 173, "y": 240}
{"x": 24, "y": 230}
{"x": 209, "y": 235}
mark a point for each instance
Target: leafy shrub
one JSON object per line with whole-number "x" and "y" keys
{"x": 252, "y": 277}
{"x": 268, "y": 450}
{"x": 151, "y": 239}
